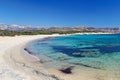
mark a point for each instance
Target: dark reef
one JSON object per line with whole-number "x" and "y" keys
{"x": 95, "y": 51}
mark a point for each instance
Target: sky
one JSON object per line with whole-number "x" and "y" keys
{"x": 66, "y": 13}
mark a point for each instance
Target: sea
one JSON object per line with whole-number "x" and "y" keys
{"x": 93, "y": 51}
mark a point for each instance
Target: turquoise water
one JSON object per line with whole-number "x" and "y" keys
{"x": 90, "y": 51}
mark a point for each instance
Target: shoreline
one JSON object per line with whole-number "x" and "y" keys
{"x": 15, "y": 62}
{"x": 28, "y": 66}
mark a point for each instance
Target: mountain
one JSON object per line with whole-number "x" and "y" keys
{"x": 17, "y": 27}
{"x": 77, "y": 28}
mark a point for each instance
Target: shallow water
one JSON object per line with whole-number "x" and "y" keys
{"x": 91, "y": 51}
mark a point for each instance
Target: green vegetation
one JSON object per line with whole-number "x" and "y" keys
{"x": 36, "y": 32}
{"x": 7, "y": 33}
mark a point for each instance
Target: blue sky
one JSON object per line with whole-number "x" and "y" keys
{"x": 96, "y": 13}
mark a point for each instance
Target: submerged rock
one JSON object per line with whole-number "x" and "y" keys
{"x": 62, "y": 58}
{"x": 67, "y": 70}
{"x": 85, "y": 54}
{"x": 28, "y": 51}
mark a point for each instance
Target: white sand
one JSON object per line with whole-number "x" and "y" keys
{"x": 10, "y": 68}
{"x": 16, "y": 64}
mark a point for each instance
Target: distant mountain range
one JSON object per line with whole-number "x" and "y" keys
{"x": 78, "y": 28}
{"x": 16, "y": 27}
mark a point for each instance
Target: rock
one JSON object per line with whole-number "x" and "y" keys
{"x": 62, "y": 58}
{"x": 85, "y": 54}
{"x": 67, "y": 70}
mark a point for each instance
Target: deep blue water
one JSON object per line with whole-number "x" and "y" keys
{"x": 92, "y": 51}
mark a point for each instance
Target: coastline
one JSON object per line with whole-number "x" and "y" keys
{"x": 11, "y": 60}
{"x": 18, "y": 62}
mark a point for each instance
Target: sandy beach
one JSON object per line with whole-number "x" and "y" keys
{"x": 12, "y": 62}
{"x": 17, "y": 64}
